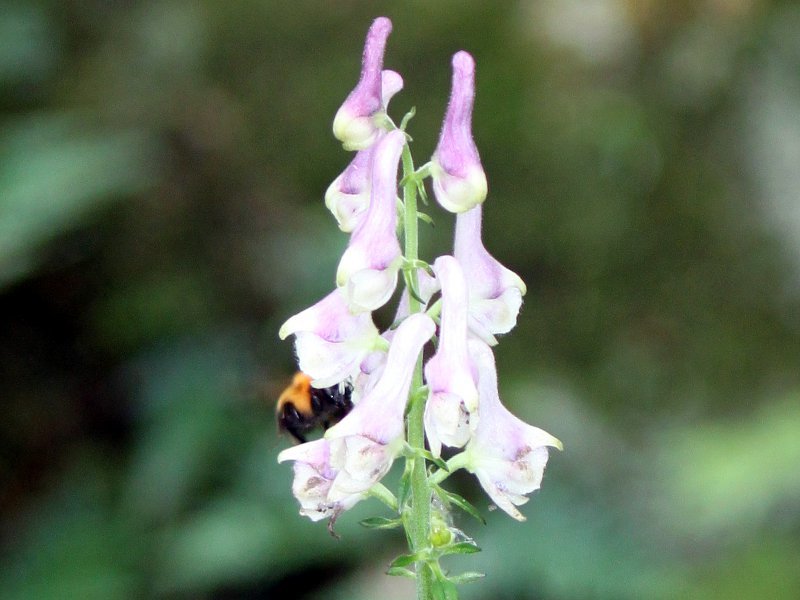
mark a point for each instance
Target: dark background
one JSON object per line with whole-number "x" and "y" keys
{"x": 162, "y": 168}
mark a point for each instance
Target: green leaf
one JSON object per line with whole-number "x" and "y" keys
{"x": 444, "y": 590}
{"x": 405, "y": 486}
{"x": 380, "y": 523}
{"x": 467, "y": 577}
{"x": 407, "y": 117}
{"x": 423, "y": 193}
{"x": 404, "y": 560}
{"x": 462, "y": 548}
{"x": 426, "y": 217}
{"x": 426, "y": 454}
{"x": 400, "y": 572}
{"x": 460, "y": 502}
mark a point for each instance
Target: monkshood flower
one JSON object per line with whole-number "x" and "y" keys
{"x": 507, "y": 455}
{"x": 330, "y": 341}
{"x": 459, "y": 182}
{"x": 367, "y": 271}
{"x": 313, "y": 478}
{"x": 451, "y": 410}
{"x": 348, "y": 196}
{"x": 356, "y": 123}
{"x": 495, "y": 292}
{"x": 364, "y": 444}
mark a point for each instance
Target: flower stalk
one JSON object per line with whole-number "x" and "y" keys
{"x": 420, "y": 513}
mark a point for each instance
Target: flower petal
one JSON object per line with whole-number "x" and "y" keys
{"x": 330, "y": 341}
{"x": 495, "y": 292}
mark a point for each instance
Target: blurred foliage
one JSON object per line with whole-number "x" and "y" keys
{"x": 162, "y": 166}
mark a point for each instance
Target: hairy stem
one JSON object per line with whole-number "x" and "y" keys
{"x": 420, "y": 517}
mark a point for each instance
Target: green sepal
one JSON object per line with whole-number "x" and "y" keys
{"x": 460, "y": 502}
{"x": 380, "y": 523}
{"x": 466, "y": 577}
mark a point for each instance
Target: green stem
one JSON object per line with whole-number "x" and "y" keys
{"x": 420, "y": 517}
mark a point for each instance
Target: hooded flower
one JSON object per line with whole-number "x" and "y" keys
{"x": 507, "y": 455}
{"x": 364, "y": 443}
{"x": 330, "y": 341}
{"x": 495, "y": 293}
{"x": 348, "y": 196}
{"x": 356, "y": 121}
{"x": 459, "y": 182}
{"x": 451, "y": 410}
{"x": 313, "y": 478}
{"x": 368, "y": 268}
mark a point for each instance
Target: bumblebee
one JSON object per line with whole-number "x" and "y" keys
{"x": 302, "y": 408}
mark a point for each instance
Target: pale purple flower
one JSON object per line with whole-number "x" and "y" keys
{"x": 348, "y": 196}
{"x": 507, "y": 455}
{"x": 459, "y": 182}
{"x": 330, "y": 341}
{"x": 313, "y": 478}
{"x": 495, "y": 292}
{"x": 367, "y": 271}
{"x": 451, "y": 410}
{"x": 355, "y": 123}
{"x": 364, "y": 443}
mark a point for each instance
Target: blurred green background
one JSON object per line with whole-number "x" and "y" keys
{"x": 162, "y": 167}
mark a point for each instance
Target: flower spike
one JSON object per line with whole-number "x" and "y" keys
{"x": 459, "y": 182}
{"x": 355, "y": 122}
{"x": 507, "y": 455}
{"x": 331, "y": 342}
{"x": 495, "y": 292}
{"x": 368, "y": 269}
{"x": 451, "y": 409}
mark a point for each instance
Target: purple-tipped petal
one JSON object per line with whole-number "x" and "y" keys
{"x": 354, "y": 124}
{"x": 459, "y": 182}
